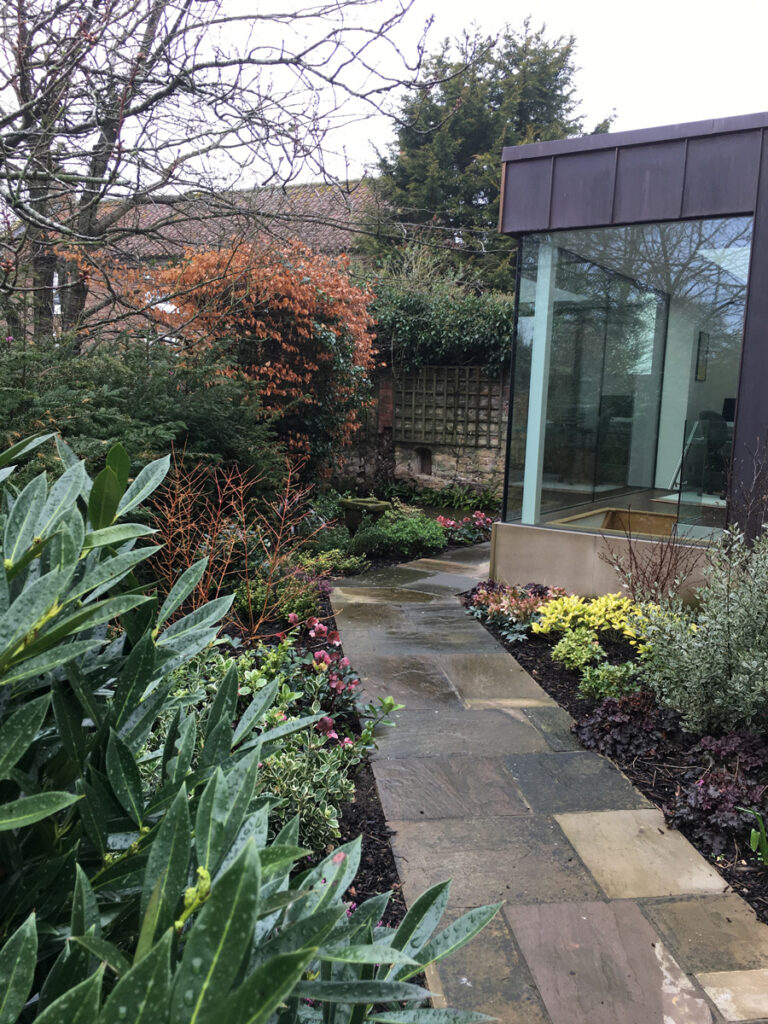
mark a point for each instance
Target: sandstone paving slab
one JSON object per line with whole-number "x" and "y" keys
{"x": 422, "y": 734}
{"x": 555, "y": 725}
{"x": 602, "y": 963}
{"x": 490, "y": 676}
{"x": 572, "y": 781}
{"x": 632, "y": 853}
{"x": 711, "y": 933}
{"x": 488, "y": 975}
{"x": 738, "y": 995}
{"x": 420, "y": 789}
{"x": 472, "y": 554}
{"x": 443, "y": 584}
{"x": 519, "y": 859}
{"x": 415, "y": 682}
{"x": 344, "y": 595}
{"x": 364, "y": 615}
{"x": 391, "y": 576}
{"x": 476, "y": 569}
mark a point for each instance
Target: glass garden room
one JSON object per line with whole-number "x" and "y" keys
{"x": 640, "y": 367}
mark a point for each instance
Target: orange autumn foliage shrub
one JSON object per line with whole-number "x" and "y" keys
{"x": 297, "y": 326}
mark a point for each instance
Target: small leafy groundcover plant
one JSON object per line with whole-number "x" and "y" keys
{"x": 509, "y": 609}
{"x": 470, "y": 530}
{"x": 402, "y": 533}
{"x": 135, "y": 896}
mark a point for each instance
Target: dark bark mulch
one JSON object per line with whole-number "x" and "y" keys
{"x": 377, "y": 873}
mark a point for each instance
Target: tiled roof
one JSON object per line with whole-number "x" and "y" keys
{"x": 321, "y": 216}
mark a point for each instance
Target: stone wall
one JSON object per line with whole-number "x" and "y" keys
{"x": 437, "y": 426}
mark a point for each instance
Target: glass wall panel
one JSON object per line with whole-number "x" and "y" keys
{"x": 627, "y": 357}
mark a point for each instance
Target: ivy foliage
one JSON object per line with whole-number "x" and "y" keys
{"x": 429, "y": 313}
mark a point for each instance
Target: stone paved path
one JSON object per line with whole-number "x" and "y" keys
{"x": 609, "y": 918}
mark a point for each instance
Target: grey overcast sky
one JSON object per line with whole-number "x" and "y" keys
{"x": 654, "y": 61}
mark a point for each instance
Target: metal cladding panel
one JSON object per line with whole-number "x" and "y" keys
{"x": 582, "y": 189}
{"x": 527, "y": 187}
{"x": 649, "y": 182}
{"x": 721, "y": 175}
{"x": 751, "y": 425}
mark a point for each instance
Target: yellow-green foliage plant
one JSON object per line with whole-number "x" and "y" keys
{"x": 612, "y": 614}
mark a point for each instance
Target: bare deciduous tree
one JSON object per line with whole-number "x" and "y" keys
{"x": 112, "y": 112}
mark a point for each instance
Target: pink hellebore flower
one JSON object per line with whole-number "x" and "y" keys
{"x": 312, "y": 621}
{"x": 344, "y": 663}
{"x": 323, "y": 656}
{"x": 347, "y": 742}
{"x": 293, "y": 618}
{"x": 334, "y": 638}
{"x": 325, "y": 726}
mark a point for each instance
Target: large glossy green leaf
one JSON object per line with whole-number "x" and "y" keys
{"x": 429, "y": 1016}
{"x": 453, "y": 937}
{"x": 366, "y": 953}
{"x": 218, "y": 941}
{"x": 224, "y": 703}
{"x": 69, "y": 458}
{"x": 104, "y": 499}
{"x": 181, "y": 589}
{"x": 17, "y": 970}
{"x": 124, "y": 777}
{"x": 105, "y": 574}
{"x": 178, "y": 764}
{"x": 422, "y": 918}
{"x": 105, "y": 951}
{"x": 142, "y": 996}
{"x": 331, "y": 878}
{"x": 68, "y": 716}
{"x": 49, "y": 660}
{"x": 19, "y": 731}
{"x": 29, "y": 809}
{"x": 22, "y": 448}
{"x": 61, "y": 498}
{"x": 28, "y": 611}
{"x": 120, "y": 464}
{"x": 148, "y": 480}
{"x": 167, "y": 863}
{"x": 80, "y": 1005}
{"x": 308, "y": 932}
{"x": 263, "y": 990}
{"x": 114, "y": 535}
{"x": 359, "y": 991}
{"x": 135, "y": 676}
{"x": 137, "y": 726}
{"x": 22, "y": 520}
{"x": 241, "y": 783}
{"x": 88, "y": 617}
{"x": 85, "y": 910}
{"x": 211, "y": 820}
{"x": 255, "y": 711}
{"x": 199, "y": 619}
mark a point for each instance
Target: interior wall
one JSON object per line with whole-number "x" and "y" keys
{"x": 682, "y": 336}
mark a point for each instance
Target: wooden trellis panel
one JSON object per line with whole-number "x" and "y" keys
{"x": 451, "y": 405}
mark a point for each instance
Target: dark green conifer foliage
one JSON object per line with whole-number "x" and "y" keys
{"x": 442, "y": 177}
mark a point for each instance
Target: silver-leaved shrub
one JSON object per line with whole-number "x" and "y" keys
{"x": 711, "y": 663}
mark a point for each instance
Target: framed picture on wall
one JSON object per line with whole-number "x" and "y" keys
{"x": 702, "y": 355}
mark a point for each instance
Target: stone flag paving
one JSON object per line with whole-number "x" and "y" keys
{"x": 608, "y": 917}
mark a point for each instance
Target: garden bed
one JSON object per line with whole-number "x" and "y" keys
{"x": 664, "y": 774}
